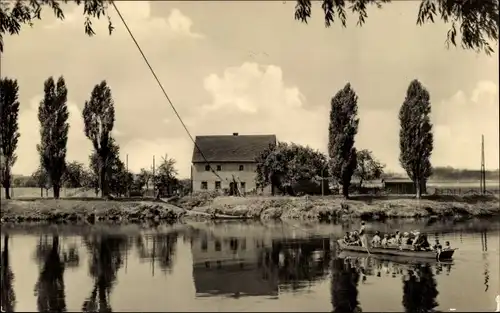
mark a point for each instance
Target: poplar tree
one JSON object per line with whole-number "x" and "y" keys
{"x": 53, "y": 116}
{"x": 9, "y": 130}
{"x": 99, "y": 119}
{"x": 416, "y": 140}
{"x": 341, "y": 132}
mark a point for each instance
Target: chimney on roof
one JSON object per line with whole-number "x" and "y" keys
{"x": 235, "y": 134}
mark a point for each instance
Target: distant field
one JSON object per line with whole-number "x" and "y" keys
{"x": 28, "y": 192}
{"x": 463, "y": 184}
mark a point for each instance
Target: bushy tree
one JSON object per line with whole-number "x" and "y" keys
{"x": 118, "y": 178}
{"x": 165, "y": 175}
{"x": 42, "y": 179}
{"x": 99, "y": 119}
{"x": 9, "y": 131}
{"x": 74, "y": 176}
{"x": 341, "y": 132}
{"x": 53, "y": 116}
{"x": 285, "y": 166}
{"x": 368, "y": 168}
{"x": 415, "y": 135}
{"x": 477, "y": 20}
{"x": 144, "y": 178}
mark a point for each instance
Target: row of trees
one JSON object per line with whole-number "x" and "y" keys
{"x": 106, "y": 173}
{"x": 285, "y": 165}
{"x": 415, "y": 136}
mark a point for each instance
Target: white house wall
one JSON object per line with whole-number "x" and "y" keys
{"x": 228, "y": 170}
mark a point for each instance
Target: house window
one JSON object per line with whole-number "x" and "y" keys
{"x": 204, "y": 244}
{"x": 218, "y": 245}
{"x": 207, "y": 168}
{"x": 242, "y": 167}
{"x": 217, "y": 185}
{"x": 243, "y": 185}
{"x": 219, "y": 168}
{"x": 204, "y": 185}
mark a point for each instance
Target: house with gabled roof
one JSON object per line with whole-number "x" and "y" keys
{"x": 227, "y": 161}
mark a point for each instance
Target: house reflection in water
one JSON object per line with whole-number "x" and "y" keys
{"x": 231, "y": 266}
{"x": 257, "y": 266}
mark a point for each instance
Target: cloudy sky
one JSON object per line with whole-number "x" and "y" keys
{"x": 249, "y": 67}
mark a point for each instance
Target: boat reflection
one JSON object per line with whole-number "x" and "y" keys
{"x": 419, "y": 283}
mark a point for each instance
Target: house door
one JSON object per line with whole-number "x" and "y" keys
{"x": 232, "y": 188}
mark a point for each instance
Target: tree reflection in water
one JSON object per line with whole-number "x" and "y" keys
{"x": 49, "y": 288}
{"x": 419, "y": 289}
{"x": 106, "y": 258}
{"x": 7, "y": 295}
{"x": 344, "y": 286}
{"x": 159, "y": 247}
{"x": 297, "y": 263}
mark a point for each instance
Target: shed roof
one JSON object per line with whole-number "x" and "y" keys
{"x": 231, "y": 148}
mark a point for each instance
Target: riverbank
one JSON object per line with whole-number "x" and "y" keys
{"x": 203, "y": 207}
{"x": 87, "y": 211}
{"x": 333, "y": 207}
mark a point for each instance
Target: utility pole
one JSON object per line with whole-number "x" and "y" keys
{"x": 154, "y": 182}
{"x": 128, "y": 182}
{"x": 482, "y": 184}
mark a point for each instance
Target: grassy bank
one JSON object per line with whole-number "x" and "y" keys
{"x": 207, "y": 206}
{"x": 87, "y": 210}
{"x": 330, "y": 208}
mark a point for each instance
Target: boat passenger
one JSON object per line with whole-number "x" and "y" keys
{"x": 347, "y": 238}
{"x": 355, "y": 239}
{"x": 447, "y": 246}
{"x": 437, "y": 246}
{"x": 384, "y": 241}
{"x": 392, "y": 240}
{"x": 405, "y": 238}
{"x": 421, "y": 242}
{"x": 397, "y": 235}
{"x": 362, "y": 235}
{"x": 376, "y": 239}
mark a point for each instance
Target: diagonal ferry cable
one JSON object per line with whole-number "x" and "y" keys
{"x": 163, "y": 89}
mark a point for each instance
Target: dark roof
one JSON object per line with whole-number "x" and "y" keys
{"x": 232, "y": 148}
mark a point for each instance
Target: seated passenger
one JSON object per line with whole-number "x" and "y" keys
{"x": 447, "y": 246}
{"x": 376, "y": 239}
{"x": 437, "y": 246}
{"x": 355, "y": 239}
{"x": 420, "y": 242}
{"x": 392, "y": 240}
{"x": 384, "y": 241}
{"x": 405, "y": 238}
{"x": 347, "y": 238}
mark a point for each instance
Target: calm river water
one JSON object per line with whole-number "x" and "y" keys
{"x": 241, "y": 267}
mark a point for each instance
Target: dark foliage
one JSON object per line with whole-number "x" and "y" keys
{"x": 9, "y": 131}
{"x": 15, "y": 14}
{"x": 476, "y": 20}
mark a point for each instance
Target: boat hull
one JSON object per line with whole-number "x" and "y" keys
{"x": 444, "y": 255}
